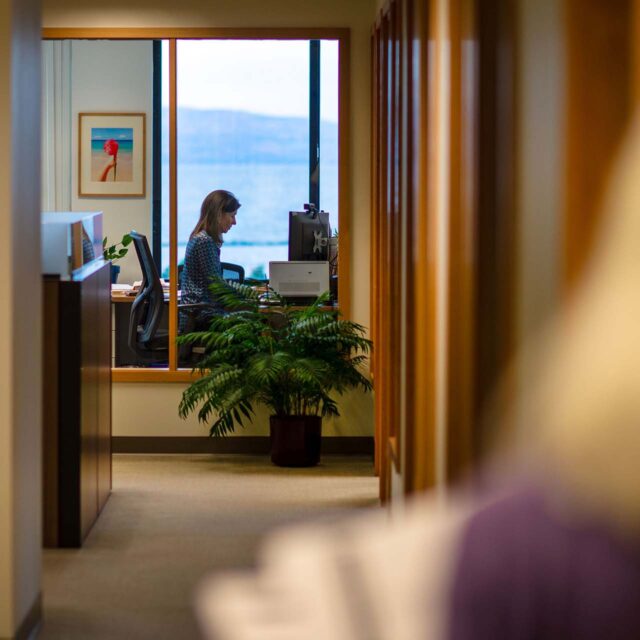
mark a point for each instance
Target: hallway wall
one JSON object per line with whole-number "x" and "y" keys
{"x": 20, "y": 315}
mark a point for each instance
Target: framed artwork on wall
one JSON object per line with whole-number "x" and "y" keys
{"x": 111, "y": 155}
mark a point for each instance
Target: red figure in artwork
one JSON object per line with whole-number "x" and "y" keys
{"x": 110, "y": 148}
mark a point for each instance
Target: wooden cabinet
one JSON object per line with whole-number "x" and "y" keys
{"x": 77, "y": 403}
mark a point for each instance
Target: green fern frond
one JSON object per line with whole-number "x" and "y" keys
{"x": 292, "y": 360}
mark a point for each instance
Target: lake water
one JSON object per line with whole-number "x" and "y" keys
{"x": 267, "y": 193}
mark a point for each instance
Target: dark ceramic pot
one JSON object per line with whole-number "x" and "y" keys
{"x": 115, "y": 271}
{"x": 295, "y": 440}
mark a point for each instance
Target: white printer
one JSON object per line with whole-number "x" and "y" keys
{"x": 299, "y": 278}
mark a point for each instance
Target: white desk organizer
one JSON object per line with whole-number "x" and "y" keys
{"x": 70, "y": 239}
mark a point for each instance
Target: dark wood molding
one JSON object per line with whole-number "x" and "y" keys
{"x": 331, "y": 445}
{"x": 77, "y": 406}
{"x": 496, "y": 236}
{"x": 599, "y": 105}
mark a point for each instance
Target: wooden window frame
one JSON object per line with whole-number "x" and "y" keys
{"x": 342, "y": 35}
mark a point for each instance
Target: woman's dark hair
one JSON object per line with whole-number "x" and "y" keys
{"x": 213, "y": 206}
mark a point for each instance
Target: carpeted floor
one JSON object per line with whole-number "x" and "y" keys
{"x": 171, "y": 520}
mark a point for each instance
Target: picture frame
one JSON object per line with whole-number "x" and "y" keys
{"x": 111, "y": 155}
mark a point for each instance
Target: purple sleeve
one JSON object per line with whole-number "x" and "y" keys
{"x": 523, "y": 575}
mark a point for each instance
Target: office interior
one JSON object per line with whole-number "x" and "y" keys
{"x": 473, "y": 198}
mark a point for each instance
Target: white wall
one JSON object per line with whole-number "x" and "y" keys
{"x": 114, "y": 76}
{"x": 94, "y": 76}
{"x": 20, "y": 314}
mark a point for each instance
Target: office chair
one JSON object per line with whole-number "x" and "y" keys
{"x": 145, "y": 339}
{"x": 232, "y": 272}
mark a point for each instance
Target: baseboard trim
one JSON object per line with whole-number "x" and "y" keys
{"x": 28, "y": 629}
{"x": 331, "y": 445}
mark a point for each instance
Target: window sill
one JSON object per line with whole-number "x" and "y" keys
{"x": 140, "y": 374}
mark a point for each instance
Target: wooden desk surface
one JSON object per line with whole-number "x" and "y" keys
{"x": 120, "y": 296}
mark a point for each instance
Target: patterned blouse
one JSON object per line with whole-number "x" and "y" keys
{"x": 201, "y": 264}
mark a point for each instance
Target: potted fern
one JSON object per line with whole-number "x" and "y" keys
{"x": 292, "y": 360}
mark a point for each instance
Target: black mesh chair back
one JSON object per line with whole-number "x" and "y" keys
{"x": 232, "y": 272}
{"x": 147, "y": 308}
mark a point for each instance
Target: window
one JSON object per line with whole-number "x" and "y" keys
{"x": 253, "y": 112}
{"x": 244, "y": 124}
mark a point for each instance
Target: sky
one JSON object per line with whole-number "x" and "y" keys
{"x": 260, "y": 76}
{"x": 104, "y": 133}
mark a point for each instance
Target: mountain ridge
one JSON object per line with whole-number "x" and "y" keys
{"x": 219, "y": 135}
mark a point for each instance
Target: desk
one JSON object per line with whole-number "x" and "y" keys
{"x": 122, "y": 355}
{"x": 77, "y": 403}
{"x": 121, "y": 297}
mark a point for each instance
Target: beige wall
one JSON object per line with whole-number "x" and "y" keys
{"x": 133, "y": 414}
{"x": 151, "y": 409}
{"x": 83, "y": 76}
{"x": 20, "y": 313}
{"x": 539, "y": 199}
{"x": 115, "y": 91}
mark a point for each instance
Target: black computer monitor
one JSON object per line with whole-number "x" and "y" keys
{"x": 309, "y": 233}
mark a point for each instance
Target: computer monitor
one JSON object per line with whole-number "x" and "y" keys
{"x": 309, "y": 233}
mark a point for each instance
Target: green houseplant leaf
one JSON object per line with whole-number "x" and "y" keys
{"x": 292, "y": 360}
{"x": 116, "y": 251}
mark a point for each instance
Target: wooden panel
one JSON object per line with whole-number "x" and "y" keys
{"x": 406, "y": 346}
{"x": 69, "y": 417}
{"x": 394, "y": 251}
{"x": 152, "y": 375}
{"x": 344, "y": 176}
{"x": 395, "y": 55}
{"x": 635, "y": 51}
{"x": 599, "y": 103}
{"x": 421, "y": 454}
{"x": 159, "y": 33}
{"x": 374, "y": 269}
{"x": 104, "y": 387}
{"x": 382, "y": 345}
{"x": 463, "y": 164}
{"x": 173, "y": 205}
{"x": 442, "y": 230}
{"x": 50, "y": 413}
{"x": 496, "y": 244}
{"x": 77, "y": 450}
{"x": 88, "y": 404}
{"x": 390, "y": 221}
{"x": 418, "y": 445}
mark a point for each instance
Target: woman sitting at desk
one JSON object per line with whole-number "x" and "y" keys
{"x": 202, "y": 257}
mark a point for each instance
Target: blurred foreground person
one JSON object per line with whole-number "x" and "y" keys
{"x": 547, "y": 549}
